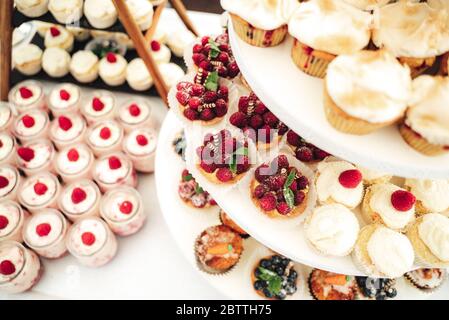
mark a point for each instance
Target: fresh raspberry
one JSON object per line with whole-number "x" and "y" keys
{"x": 210, "y": 96}
{"x": 73, "y": 155}
{"x": 65, "y": 123}
{"x": 206, "y": 65}
{"x": 25, "y": 93}
{"x": 97, "y": 104}
{"x": 402, "y": 200}
{"x": 197, "y": 90}
{"x": 238, "y": 119}
{"x": 221, "y": 108}
{"x": 198, "y": 58}
{"x": 126, "y": 207}
{"x": 194, "y": 103}
{"x": 243, "y": 104}
{"x": 222, "y": 71}
{"x": 182, "y": 97}
{"x": 205, "y": 40}
{"x": 268, "y": 202}
{"x": 282, "y": 128}
{"x": 233, "y": 69}
{"x": 78, "y": 195}
{"x": 111, "y": 57}
{"x": 43, "y": 229}
{"x": 224, "y": 174}
{"x": 4, "y": 182}
{"x": 262, "y": 173}
{"x": 134, "y": 110}
{"x": 283, "y": 208}
{"x": 40, "y": 188}
{"x": 299, "y": 198}
{"x": 260, "y": 108}
{"x": 207, "y": 115}
{"x": 3, "y": 222}
{"x": 54, "y": 31}
{"x": 223, "y": 93}
{"x": 350, "y": 178}
{"x": 256, "y": 121}
{"x": 88, "y": 238}
{"x": 197, "y": 48}
{"x": 114, "y": 163}
{"x": 105, "y": 133}
{"x": 64, "y": 95}
{"x": 28, "y": 121}
{"x": 302, "y": 183}
{"x": 294, "y": 185}
{"x": 27, "y": 154}
{"x": 260, "y": 191}
{"x": 155, "y": 45}
{"x": 276, "y": 182}
{"x": 209, "y": 168}
{"x": 141, "y": 140}
{"x": 320, "y": 154}
{"x": 282, "y": 161}
{"x": 223, "y": 57}
{"x": 7, "y": 268}
{"x": 294, "y": 139}
{"x": 184, "y": 85}
{"x": 191, "y": 114}
{"x": 304, "y": 154}
{"x": 270, "y": 119}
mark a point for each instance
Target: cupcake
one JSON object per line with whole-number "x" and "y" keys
{"x": 59, "y": 37}
{"x": 365, "y": 102}
{"x": 324, "y": 29}
{"x": 339, "y": 182}
{"x": 160, "y": 52}
{"x": 275, "y": 278}
{"x": 227, "y": 221}
{"x": 142, "y": 12}
{"x": 389, "y": 205}
{"x": 101, "y": 14}
{"x": 429, "y": 236}
{"x": 382, "y": 252}
{"x": 426, "y": 124}
{"x": 99, "y": 106}
{"x": 27, "y": 59}
{"x": 105, "y": 137}
{"x": 10, "y": 182}
{"x": 279, "y": 190}
{"x": 324, "y": 285}
{"x": 36, "y": 156}
{"x": 79, "y": 200}
{"x": 426, "y": 280}
{"x": 84, "y": 66}
{"x": 8, "y": 146}
{"x": 27, "y": 95}
{"x": 171, "y": 73}
{"x": 179, "y": 40}
{"x": 112, "y": 69}
{"x": 332, "y": 230}
{"x": 218, "y": 249}
{"x": 138, "y": 76}
{"x": 192, "y": 194}
{"x": 64, "y": 98}
{"x": 31, "y": 125}
{"x": 260, "y": 23}
{"x": 12, "y": 218}
{"x": 371, "y": 177}
{"x": 56, "y": 62}
{"x": 140, "y": 146}
{"x": 66, "y": 11}
{"x": 303, "y": 150}
{"x": 376, "y": 288}
{"x": 431, "y": 195}
{"x": 74, "y": 163}
{"x": 32, "y": 9}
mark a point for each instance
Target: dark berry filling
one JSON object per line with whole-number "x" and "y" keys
{"x": 305, "y": 151}
{"x": 379, "y": 289}
{"x": 190, "y": 190}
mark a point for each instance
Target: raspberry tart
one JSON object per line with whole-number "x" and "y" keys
{"x": 134, "y": 114}
{"x": 79, "y": 200}
{"x": 114, "y": 170}
{"x": 68, "y": 130}
{"x": 279, "y": 190}
{"x": 223, "y": 159}
{"x": 36, "y": 156}
{"x": 64, "y": 99}
{"x": 74, "y": 163}
{"x": 305, "y": 151}
{"x": 7, "y": 148}
{"x": 91, "y": 242}
{"x": 105, "y": 137}
{"x": 12, "y": 217}
{"x": 45, "y": 233}
{"x": 227, "y": 221}
{"x": 257, "y": 122}
{"x": 122, "y": 209}
{"x": 191, "y": 192}
{"x": 31, "y": 125}
{"x": 6, "y": 117}
{"x": 100, "y": 106}
{"x": 20, "y": 268}
{"x": 39, "y": 192}
{"x": 28, "y": 95}
{"x": 324, "y": 285}
{"x": 10, "y": 181}
{"x": 140, "y": 146}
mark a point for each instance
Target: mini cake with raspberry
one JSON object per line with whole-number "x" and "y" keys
{"x": 12, "y": 218}
{"x": 160, "y": 52}
{"x": 99, "y": 106}
{"x": 218, "y": 249}
{"x": 112, "y": 69}
{"x": 114, "y": 170}
{"x": 31, "y": 125}
{"x": 390, "y": 205}
{"x": 44, "y": 232}
{"x": 122, "y": 209}
{"x": 36, "y": 156}
{"x": 324, "y": 285}
{"x": 134, "y": 114}
{"x": 91, "y": 242}
{"x": 426, "y": 280}
{"x": 192, "y": 194}
{"x": 39, "y": 192}
{"x": 79, "y": 200}
{"x": 74, "y": 163}
{"x": 279, "y": 190}
{"x": 7, "y": 148}
{"x": 431, "y": 195}
{"x": 105, "y": 137}
{"x": 339, "y": 182}
{"x": 6, "y": 117}
{"x": 204, "y": 101}
{"x": 305, "y": 151}
{"x": 10, "y": 181}
{"x": 64, "y": 99}
{"x": 223, "y": 159}
{"x": 67, "y": 130}
{"x": 28, "y": 95}
{"x": 140, "y": 146}
{"x": 215, "y": 55}
{"x": 59, "y": 37}
{"x": 227, "y": 221}
{"x": 257, "y": 122}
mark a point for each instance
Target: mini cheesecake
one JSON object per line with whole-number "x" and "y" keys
{"x": 7, "y": 148}
{"x": 39, "y": 192}
{"x": 134, "y": 114}
{"x": 44, "y": 232}
{"x": 6, "y": 117}
{"x": 9, "y": 182}
{"x": 59, "y": 37}
{"x": 12, "y": 217}
{"x": 31, "y": 125}
{"x": 80, "y": 199}
{"x": 112, "y": 69}
{"x": 64, "y": 99}
{"x": 91, "y": 242}
{"x": 36, "y": 156}
{"x": 100, "y": 106}
{"x": 74, "y": 163}
{"x": 105, "y": 137}
{"x": 68, "y": 130}
{"x": 28, "y": 95}
{"x": 140, "y": 146}
{"x": 122, "y": 209}
{"x": 114, "y": 170}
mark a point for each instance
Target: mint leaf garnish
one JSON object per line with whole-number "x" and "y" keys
{"x": 289, "y": 197}
{"x": 211, "y": 83}
{"x": 290, "y": 179}
{"x": 214, "y": 49}
{"x": 187, "y": 177}
{"x": 273, "y": 279}
{"x": 233, "y": 164}
{"x": 199, "y": 190}
{"x": 243, "y": 151}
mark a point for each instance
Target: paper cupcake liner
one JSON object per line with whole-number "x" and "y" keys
{"x": 418, "y": 65}
{"x": 415, "y": 285}
{"x": 244, "y": 235}
{"x": 309, "y": 287}
{"x": 360, "y": 255}
{"x": 258, "y": 37}
{"x": 444, "y": 66}
{"x": 420, "y": 144}
{"x": 309, "y": 63}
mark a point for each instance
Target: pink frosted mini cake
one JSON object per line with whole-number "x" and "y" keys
{"x": 74, "y": 163}
{"x": 28, "y": 95}
{"x": 31, "y": 125}
{"x": 12, "y": 217}
{"x": 67, "y": 130}
{"x": 36, "y": 156}
{"x": 134, "y": 114}
{"x": 6, "y": 117}
{"x": 7, "y": 148}
{"x": 140, "y": 146}
{"x": 64, "y": 99}
{"x": 114, "y": 170}
{"x": 105, "y": 137}
{"x": 39, "y": 192}
{"x": 100, "y": 106}
{"x": 80, "y": 199}
{"x": 10, "y": 181}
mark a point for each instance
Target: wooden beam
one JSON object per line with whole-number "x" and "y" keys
{"x": 6, "y": 12}
{"x": 182, "y": 13}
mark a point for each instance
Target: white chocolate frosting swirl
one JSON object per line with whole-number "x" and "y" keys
{"x": 433, "y": 194}
{"x": 434, "y": 232}
{"x": 51, "y": 217}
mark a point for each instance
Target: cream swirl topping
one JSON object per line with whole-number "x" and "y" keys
{"x": 43, "y": 153}
{"x": 433, "y": 194}
{"x": 5, "y": 115}
{"x": 25, "y": 130}
{"x": 92, "y": 195}
{"x": 107, "y": 100}
{"x": 76, "y": 164}
{"x": 114, "y": 200}
{"x": 12, "y": 212}
{"x": 10, "y": 251}
{"x": 55, "y": 96}
{"x": 93, "y": 226}
{"x": 434, "y": 232}
{"x": 98, "y": 139}
{"x": 77, "y": 129}
{"x": 50, "y": 217}
{"x": 9, "y": 177}
{"x": 28, "y": 193}
{"x": 141, "y": 142}
{"x": 108, "y": 175}
{"x": 134, "y": 112}
{"x": 7, "y": 144}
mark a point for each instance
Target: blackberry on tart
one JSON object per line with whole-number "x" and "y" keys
{"x": 192, "y": 194}
{"x": 303, "y": 150}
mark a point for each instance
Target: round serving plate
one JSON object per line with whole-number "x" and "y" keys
{"x": 297, "y": 99}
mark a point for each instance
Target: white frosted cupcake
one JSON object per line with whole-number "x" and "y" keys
{"x": 138, "y": 76}
{"x": 171, "y": 73}
{"x": 56, "y": 62}
{"x": 59, "y": 37}
{"x": 140, "y": 146}
{"x": 112, "y": 69}
{"x": 382, "y": 252}
{"x": 101, "y": 14}
{"x": 324, "y": 29}
{"x": 68, "y": 130}
{"x": 31, "y": 125}
{"x": 339, "y": 182}
{"x": 27, "y": 59}
{"x": 136, "y": 113}
{"x": 6, "y": 117}
{"x": 142, "y": 12}
{"x": 431, "y": 195}
{"x": 332, "y": 230}
{"x": 373, "y": 176}
{"x": 32, "y": 8}
{"x": 179, "y": 40}
{"x": 39, "y": 192}
{"x": 45, "y": 232}
{"x": 74, "y": 163}
{"x": 27, "y": 95}
{"x": 389, "y": 205}
{"x": 84, "y": 66}
{"x": 64, "y": 98}
{"x": 7, "y": 148}
{"x": 105, "y": 137}
{"x": 36, "y": 156}
{"x": 66, "y": 11}
{"x": 10, "y": 182}
{"x": 357, "y": 99}
{"x": 160, "y": 52}
{"x": 114, "y": 170}
{"x": 12, "y": 218}
{"x": 80, "y": 199}
{"x": 367, "y": 5}
{"x": 99, "y": 106}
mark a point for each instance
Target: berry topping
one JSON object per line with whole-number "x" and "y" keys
{"x": 27, "y": 154}
{"x": 155, "y": 45}
{"x": 7, "y": 268}
{"x": 141, "y": 140}
{"x": 293, "y": 139}
{"x": 191, "y": 114}
{"x": 97, "y": 104}
{"x": 114, "y": 163}
{"x": 105, "y": 133}
{"x": 224, "y": 174}
{"x": 111, "y": 57}
{"x": 40, "y": 188}
{"x": 282, "y": 161}
{"x": 4, "y": 182}
{"x": 268, "y": 202}
{"x": 403, "y": 200}
{"x": 209, "y": 168}
{"x": 28, "y": 121}
{"x": 78, "y": 195}
{"x": 64, "y": 95}
{"x": 260, "y": 191}
{"x": 134, "y": 110}
{"x": 54, "y": 31}
{"x": 304, "y": 154}
{"x": 3, "y": 222}
{"x": 73, "y": 155}
{"x": 43, "y": 229}
{"x": 25, "y": 93}
{"x": 65, "y": 123}
{"x": 283, "y": 208}
{"x": 126, "y": 207}
{"x": 350, "y": 178}
{"x": 238, "y": 120}
{"x": 302, "y": 183}
{"x": 88, "y": 238}
{"x": 299, "y": 198}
